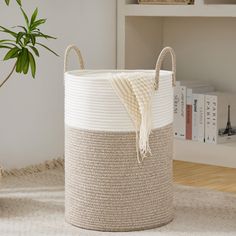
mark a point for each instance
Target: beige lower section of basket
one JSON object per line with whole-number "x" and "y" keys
{"x": 108, "y": 190}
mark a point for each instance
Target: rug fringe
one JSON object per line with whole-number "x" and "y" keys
{"x": 32, "y": 169}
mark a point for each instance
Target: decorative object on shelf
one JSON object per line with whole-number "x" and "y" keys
{"x": 166, "y": 2}
{"x": 228, "y": 130}
{"x": 23, "y": 45}
{"x": 106, "y": 187}
{"x": 220, "y": 117}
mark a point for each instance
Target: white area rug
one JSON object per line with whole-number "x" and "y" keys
{"x": 34, "y": 205}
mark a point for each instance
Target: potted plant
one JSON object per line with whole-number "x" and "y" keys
{"x": 22, "y": 46}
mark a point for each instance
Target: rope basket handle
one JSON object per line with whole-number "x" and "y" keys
{"x": 67, "y": 52}
{"x": 159, "y": 64}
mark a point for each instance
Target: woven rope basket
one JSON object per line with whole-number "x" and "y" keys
{"x": 166, "y": 2}
{"x": 106, "y": 189}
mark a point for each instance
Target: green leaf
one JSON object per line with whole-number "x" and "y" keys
{"x": 26, "y": 67}
{"x": 5, "y": 30}
{"x": 37, "y": 23}
{"x": 25, "y": 16}
{"x": 9, "y": 44}
{"x": 34, "y": 15}
{"x": 47, "y": 48}
{"x": 5, "y": 47}
{"x": 41, "y": 35}
{"x": 24, "y": 58}
{"x": 18, "y": 63}
{"x": 11, "y": 53}
{"x": 33, "y": 40}
{"x": 22, "y": 27}
{"x": 35, "y": 50}
{"x": 19, "y": 36}
{"x": 6, "y": 40}
{"x": 32, "y": 64}
{"x": 19, "y": 2}
{"x": 7, "y": 2}
{"x": 26, "y": 39}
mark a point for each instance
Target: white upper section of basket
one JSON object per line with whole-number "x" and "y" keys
{"x": 91, "y": 102}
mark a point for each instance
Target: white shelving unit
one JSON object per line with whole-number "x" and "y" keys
{"x": 204, "y": 38}
{"x": 219, "y": 155}
{"x": 198, "y": 9}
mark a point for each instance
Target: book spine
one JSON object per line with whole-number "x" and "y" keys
{"x": 179, "y": 111}
{"x": 176, "y": 106}
{"x": 214, "y": 119}
{"x": 201, "y": 117}
{"x": 208, "y": 118}
{"x": 189, "y": 114}
{"x": 195, "y": 116}
{"x": 182, "y": 131}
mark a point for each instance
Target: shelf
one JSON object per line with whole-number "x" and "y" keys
{"x": 219, "y": 155}
{"x": 199, "y": 10}
{"x": 205, "y": 31}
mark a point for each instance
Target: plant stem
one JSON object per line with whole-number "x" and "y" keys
{"x": 8, "y": 77}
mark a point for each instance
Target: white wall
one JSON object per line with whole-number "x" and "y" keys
{"x": 205, "y": 49}
{"x": 137, "y": 33}
{"x": 31, "y": 111}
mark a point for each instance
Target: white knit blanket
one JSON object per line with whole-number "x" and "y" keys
{"x": 135, "y": 91}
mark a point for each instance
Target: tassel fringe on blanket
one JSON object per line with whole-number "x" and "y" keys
{"x": 33, "y": 169}
{"x": 135, "y": 92}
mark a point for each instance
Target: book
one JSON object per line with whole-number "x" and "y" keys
{"x": 201, "y": 118}
{"x": 208, "y": 118}
{"x": 189, "y": 106}
{"x": 220, "y": 117}
{"x": 195, "y": 117}
{"x": 179, "y": 111}
{"x": 194, "y": 102}
{"x": 180, "y": 105}
{"x": 198, "y": 129}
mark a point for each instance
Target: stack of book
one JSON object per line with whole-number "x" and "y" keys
{"x": 203, "y": 114}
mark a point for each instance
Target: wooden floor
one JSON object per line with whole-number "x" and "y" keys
{"x": 199, "y": 175}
